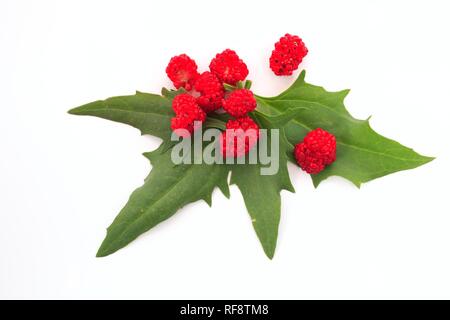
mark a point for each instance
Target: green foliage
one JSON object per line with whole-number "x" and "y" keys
{"x": 362, "y": 155}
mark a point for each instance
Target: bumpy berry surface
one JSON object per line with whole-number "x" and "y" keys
{"x": 184, "y": 103}
{"x": 187, "y": 112}
{"x": 288, "y": 54}
{"x": 239, "y": 138}
{"x": 316, "y": 151}
{"x": 228, "y": 67}
{"x": 182, "y": 70}
{"x": 211, "y": 91}
{"x": 239, "y": 103}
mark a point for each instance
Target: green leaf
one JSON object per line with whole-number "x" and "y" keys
{"x": 171, "y": 93}
{"x": 279, "y": 120}
{"x": 211, "y": 122}
{"x": 362, "y": 154}
{"x": 150, "y": 113}
{"x": 261, "y": 194}
{"x": 165, "y": 191}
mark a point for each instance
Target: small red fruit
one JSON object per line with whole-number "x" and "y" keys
{"x": 316, "y": 151}
{"x": 228, "y": 67}
{"x": 239, "y": 138}
{"x": 211, "y": 91}
{"x": 239, "y": 103}
{"x": 184, "y": 103}
{"x": 288, "y": 54}
{"x": 182, "y": 70}
{"x": 188, "y": 114}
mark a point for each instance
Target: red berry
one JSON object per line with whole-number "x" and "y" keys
{"x": 211, "y": 91}
{"x": 316, "y": 151}
{"x": 239, "y": 138}
{"x": 188, "y": 122}
{"x": 184, "y": 103}
{"x": 239, "y": 103}
{"x": 182, "y": 70}
{"x": 228, "y": 67}
{"x": 288, "y": 54}
{"x": 181, "y": 122}
{"x": 187, "y": 113}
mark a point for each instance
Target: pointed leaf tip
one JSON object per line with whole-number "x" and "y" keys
{"x": 76, "y": 111}
{"x": 363, "y": 154}
{"x": 166, "y": 189}
{"x": 302, "y": 75}
{"x": 103, "y": 252}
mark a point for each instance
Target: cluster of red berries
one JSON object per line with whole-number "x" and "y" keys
{"x": 207, "y": 94}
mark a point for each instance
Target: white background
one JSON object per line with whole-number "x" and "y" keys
{"x": 64, "y": 178}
